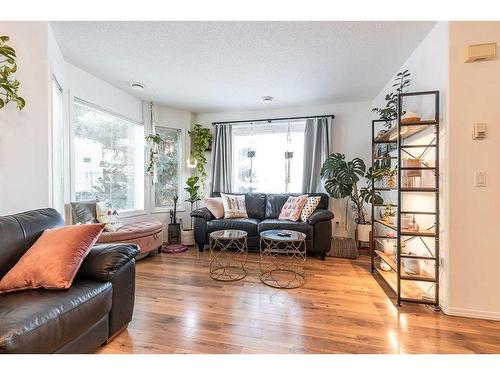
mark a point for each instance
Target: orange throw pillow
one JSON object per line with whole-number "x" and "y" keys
{"x": 53, "y": 260}
{"x": 293, "y": 207}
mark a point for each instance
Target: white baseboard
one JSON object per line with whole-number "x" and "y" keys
{"x": 469, "y": 313}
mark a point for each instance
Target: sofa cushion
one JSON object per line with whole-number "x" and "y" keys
{"x": 299, "y": 226}
{"x": 249, "y": 225}
{"x": 53, "y": 260}
{"x": 20, "y": 231}
{"x": 84, "y": 212}
{"x": 132, "y": 231}
{"x": 255, "y": 204}
{"x": 42, "y": 321}
{"x": 275, "y": 202}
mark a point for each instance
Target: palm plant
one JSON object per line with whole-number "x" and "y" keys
{"x": 341, "y": 181}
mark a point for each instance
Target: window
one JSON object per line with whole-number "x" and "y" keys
{"x": 259, "y": 154}
{"x": 108, "y": 158}
{"x": 168, "y": 168}
{"x": 57, "y": 147}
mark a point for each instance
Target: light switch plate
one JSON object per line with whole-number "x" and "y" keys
{"x": 479, "y": 179}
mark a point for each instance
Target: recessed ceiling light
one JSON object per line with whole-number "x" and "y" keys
{"x": 267, "y": 99}
{"x": 137, "y": 86}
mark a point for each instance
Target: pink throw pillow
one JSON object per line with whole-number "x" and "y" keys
{"x": 293, "y": 207}
{"x": 215, "y": 206}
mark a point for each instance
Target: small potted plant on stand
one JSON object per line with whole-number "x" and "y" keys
{"x": 341, "y": 181}
{"x": 187, "y": 236}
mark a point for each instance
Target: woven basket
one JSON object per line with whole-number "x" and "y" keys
{"x": 344, "y": 248}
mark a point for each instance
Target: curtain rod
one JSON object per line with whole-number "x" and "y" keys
{"x": 270, "y": 119}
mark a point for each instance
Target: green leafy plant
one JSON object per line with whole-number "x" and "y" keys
{"x": 9, "y": 87}
{"x": 390, "y": 112}
{"x": 201, "y": 138}
{"x": 341, "y": 181}
{"x": 193, "y": 191}
{"x": 154, "y": 139}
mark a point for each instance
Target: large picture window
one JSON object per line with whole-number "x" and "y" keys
{"x": 268, "y": 157}
{"x": 108, "y": 157}
{"x": 168, "y": 168}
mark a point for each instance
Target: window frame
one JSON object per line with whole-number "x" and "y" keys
{"x": 54, "y": 84}
{"x": 95, "y": 107}
{"x": 181, "y": 207}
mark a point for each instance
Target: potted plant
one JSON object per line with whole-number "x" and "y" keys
{"x": 390, "y": 112}
{"x": 201, "y": 139}
{"x": 387, "y": 214}
{"x": 341, "y": 181}
{"x": 387, "y": 175}
{"x": 187, "y": 236}
{"x": 8, "y": 86}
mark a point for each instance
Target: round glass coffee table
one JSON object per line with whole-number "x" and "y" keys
{"x": 228, "y": 255}
{"x": 282, "y": 258}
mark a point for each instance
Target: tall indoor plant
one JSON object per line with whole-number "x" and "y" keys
{"x": 201, "y": 138}
{"x": 341, "y": 181}
{"x": 390, "y": 112}
{"x": 9, "y": 86}
{"x": 187, "y": 236}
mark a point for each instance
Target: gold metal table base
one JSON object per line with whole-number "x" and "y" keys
{"x": 282, "y": 263}
{"x": 228, "y": 257}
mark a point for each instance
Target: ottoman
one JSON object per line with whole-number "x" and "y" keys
{"x": 148, "y": 235}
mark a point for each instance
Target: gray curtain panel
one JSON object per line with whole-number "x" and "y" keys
{"x": 222, "y": 159}
{"x": 316, "y": 150}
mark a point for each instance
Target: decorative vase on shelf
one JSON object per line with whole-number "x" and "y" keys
{"x": 390, "y": 181}
{"x": 388, "y": 247}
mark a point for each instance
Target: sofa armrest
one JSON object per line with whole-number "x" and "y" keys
{"x": 203, "y": 213}
{"x": 104, "y": 261}
{"x": 320, "y": 215}
{"x": 114, "y": 263}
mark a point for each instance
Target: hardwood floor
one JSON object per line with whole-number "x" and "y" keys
{"x": 340, "y": 309}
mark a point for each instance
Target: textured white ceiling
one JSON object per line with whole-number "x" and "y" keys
{"x": 222, "y": 66}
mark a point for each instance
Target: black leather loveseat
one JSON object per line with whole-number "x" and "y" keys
{"x": 263, "y": 211}
{"x": 98, "y": 305}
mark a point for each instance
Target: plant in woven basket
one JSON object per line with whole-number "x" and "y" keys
{"x": 341, "y": 181}
{"x": 9, "y": 87}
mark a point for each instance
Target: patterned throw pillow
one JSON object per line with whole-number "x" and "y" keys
{"x": 293, "y": 207}
{"x": 106, "y": 214}
{"x": 234, "y": 206}
{"x": 311, "y": 204}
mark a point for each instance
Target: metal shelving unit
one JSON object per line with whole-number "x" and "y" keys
{"x": 407, "y": 286}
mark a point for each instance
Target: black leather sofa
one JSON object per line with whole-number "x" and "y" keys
{"x": 263, "y": 211}
{"x": 98, "y": 305}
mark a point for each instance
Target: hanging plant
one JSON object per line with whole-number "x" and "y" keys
{"x": 200, "y": 140}
{"x": 8, "y": 86}
{"x": 390, "y": 112}
{"x": 156, "y": 142}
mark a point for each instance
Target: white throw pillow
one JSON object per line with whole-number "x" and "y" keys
{"x": 234, "y": 206}
{"x": 309, "y": 208}
{"x": 106, "y": 214}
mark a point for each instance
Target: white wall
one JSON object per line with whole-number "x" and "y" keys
{"x": 350, "y": 134}
{"x": 474, "y": 221}
{"x": 24, "y": 135}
